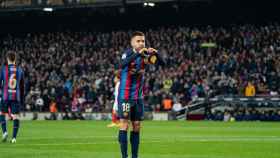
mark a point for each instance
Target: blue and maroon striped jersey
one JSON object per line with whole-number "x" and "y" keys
{"x": 12, "y": 83}
{"x": 131, "y": 76}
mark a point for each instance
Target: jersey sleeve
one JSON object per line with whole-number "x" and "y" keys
{"x": 160, "y": 60}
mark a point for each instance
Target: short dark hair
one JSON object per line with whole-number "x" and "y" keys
{"x": 137, "y": 33}
{"x": 11, "y": 56}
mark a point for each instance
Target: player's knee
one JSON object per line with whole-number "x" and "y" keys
{"x": 136, "y": 126}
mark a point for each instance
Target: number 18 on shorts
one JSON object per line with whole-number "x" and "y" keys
{"x": 131, "y": 110}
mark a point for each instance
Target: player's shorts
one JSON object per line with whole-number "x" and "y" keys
{"x": 131, "y": 109}
{"x": 14, "y": 106}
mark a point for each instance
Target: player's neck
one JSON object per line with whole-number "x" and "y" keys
{"x": 11, "y": 63}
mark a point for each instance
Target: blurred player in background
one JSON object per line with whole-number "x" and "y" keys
{"x": 130, "y": 99}
{"x": 12, "y": 85}
{"x": 115, "y": 120}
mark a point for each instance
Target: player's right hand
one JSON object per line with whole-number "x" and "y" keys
{"x": 143, "y": 51}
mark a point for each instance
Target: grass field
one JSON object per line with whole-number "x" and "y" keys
{"x": 92, "y": 139}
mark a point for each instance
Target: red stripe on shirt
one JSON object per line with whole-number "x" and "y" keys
{"x": 139, "y": 78}
{"x": 128, "y": 84}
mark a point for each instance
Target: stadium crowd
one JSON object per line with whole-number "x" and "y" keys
{"x": 74, "y": 71}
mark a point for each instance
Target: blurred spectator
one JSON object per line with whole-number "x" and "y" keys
{"x": 167, "y": 84}
{"x": 53, "y": 111}
{"x": 250, "y": 90}
{"x": 167, "y": 103}
{"x": 39, "y": 103}
{"x": 227, "y": 116}
{"x": 177, "y": 106}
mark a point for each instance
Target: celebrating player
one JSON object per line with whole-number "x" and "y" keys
{"x": 130, "y": 99}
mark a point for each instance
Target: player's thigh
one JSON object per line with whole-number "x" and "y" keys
{"x": 137, "y": 111}
{"x": 15, "y": 108}
{"x": 136, "y": 126}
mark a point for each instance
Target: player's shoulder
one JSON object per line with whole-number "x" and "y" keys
{"x": 126, "y": 53}
{"x": 3, "y": 67}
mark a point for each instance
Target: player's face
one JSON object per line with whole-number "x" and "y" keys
{"x": 138, "y": 42}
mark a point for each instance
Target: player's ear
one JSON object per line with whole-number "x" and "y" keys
{"x": 133, "y": 40}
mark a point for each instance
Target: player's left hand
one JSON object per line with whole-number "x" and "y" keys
{"x": 152, "y": 50}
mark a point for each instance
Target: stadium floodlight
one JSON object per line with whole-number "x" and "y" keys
{"x": 48, "y": 9}
{"x": 149, "y": 4}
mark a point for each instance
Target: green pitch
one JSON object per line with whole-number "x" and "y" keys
{"x": 92, "y": 139}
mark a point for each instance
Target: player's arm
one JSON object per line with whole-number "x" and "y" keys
{"x": 159, "y": 59}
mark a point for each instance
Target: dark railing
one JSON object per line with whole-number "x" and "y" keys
{"x": 257, "y": 102}
{"x": 234, "y": 101}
